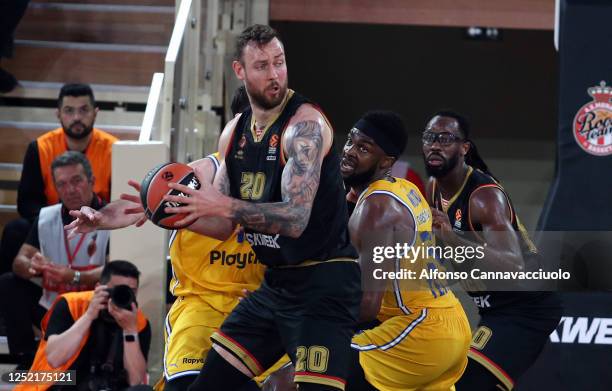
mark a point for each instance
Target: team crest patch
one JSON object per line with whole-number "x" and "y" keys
{"x": 593, "y": 122}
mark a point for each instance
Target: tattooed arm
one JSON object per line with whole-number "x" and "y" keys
{"x": 306, "y": 142}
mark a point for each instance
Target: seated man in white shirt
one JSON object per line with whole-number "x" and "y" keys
{"x": 48, "y": 255}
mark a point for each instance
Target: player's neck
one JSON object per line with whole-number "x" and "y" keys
{"x": 263, "y": 117}
{"x": 450, "y": 183}
{"x": 382, "y": 175}
{"x": 80, "y": 145}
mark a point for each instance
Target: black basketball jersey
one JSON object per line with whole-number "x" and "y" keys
{"x": 458, "y": 210}
{"x": 255, "y": 169}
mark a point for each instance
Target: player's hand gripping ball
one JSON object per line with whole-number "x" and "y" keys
{"x": 155, "y": 186}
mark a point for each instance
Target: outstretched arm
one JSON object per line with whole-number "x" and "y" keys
{"x": 118, "y": 214}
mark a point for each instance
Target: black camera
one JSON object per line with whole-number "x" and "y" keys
{"x": 122, "y": 296}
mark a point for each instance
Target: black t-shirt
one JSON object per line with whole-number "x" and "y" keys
{"x": 61, "y": 320}
{"x": 31, "y": 194}
{"x": 32, "y": 239}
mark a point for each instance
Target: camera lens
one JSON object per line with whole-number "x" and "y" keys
{"x": 122, "y": 296}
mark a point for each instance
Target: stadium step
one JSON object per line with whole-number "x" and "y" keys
{"x": 9, "y": 181}
{"x": 131, "y": 2}
{"x": 131, "y": 65}
{"x": 103, "y": 92}
{"x": 97, "y": 23}
{"x": 7, "y": 213}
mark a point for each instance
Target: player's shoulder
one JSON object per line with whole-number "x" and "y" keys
{"x": 226, "y": 135}
{"x": 380, "y": 208}
{"x": 309, "y": 112}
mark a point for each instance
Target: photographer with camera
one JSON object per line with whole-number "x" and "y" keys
{"x": 100, "y": 334}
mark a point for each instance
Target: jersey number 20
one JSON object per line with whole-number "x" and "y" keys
{"x": 252, "y": 185}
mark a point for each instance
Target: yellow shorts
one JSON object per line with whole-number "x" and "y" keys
{"x": 426, "y": 350}
{"x": 187, "y": 330}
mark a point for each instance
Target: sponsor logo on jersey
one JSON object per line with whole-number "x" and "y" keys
{"x": 583, "y": 330}
{"x": 414, "y": 198}
{"x": 240, "y": 260}
{"x": 263, "y": 240}
{"x": 458, "y": 218}
{"x": 593, "y": 122}
{"x": 482, "y": 301}
{"x": 192, "y": 360}
{"x": 272, "y": 147}
{"x": 423, "y": 217}
{"x": 273, "y": 141}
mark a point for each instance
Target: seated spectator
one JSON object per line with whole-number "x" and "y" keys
{"x": 76, "y": 113}
{"x": 94, "y": 334}
{"x": 65, "y": 264}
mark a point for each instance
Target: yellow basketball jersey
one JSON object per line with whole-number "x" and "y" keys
{"x": 214, "y": 270}
{"x": 405, "y": 296}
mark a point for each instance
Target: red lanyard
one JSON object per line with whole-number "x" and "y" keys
{"x": 76, "y": 250}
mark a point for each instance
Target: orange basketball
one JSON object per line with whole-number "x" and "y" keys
{"x": 155, "y": 186}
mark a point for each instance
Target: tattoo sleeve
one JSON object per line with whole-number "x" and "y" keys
{"x": 221, "y": 182}
{"x": 299, "y": 184}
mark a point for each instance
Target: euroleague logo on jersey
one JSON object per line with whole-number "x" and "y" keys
{"x": 593, "y": 122}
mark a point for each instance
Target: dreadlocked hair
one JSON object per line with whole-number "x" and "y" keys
{"x": 472, "y": 157}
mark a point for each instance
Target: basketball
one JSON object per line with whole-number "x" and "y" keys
{"x": 154, "y": 187}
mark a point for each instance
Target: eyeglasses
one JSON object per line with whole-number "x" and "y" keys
{"x": 444, "y": 138}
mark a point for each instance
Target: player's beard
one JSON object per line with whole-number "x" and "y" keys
{"x": 362, "y": 179}
{"x": 260, "y": 99}
{"x": 77, "y": 136}
{"x": 442, "y": 170}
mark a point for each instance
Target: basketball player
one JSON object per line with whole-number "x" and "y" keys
{"x": 514, "y": 326}
{"x": 279, "y": 178}
{"x": 208, "y": 277}
{"x": 424, "y": 336}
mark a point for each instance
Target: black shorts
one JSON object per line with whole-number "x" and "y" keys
{"x": 508, "y": 343}
{"x": 308, "y": 312}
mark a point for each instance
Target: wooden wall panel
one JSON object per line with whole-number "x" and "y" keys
{"x": 521, "y": 14}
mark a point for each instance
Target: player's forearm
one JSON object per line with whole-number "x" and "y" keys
{"x": 61, "y": 347}
{"x": 285, "y": 218}
{"x": 215, "y": 227}
{"x": 134, "y": 363}
{"x": 114, "y": 215}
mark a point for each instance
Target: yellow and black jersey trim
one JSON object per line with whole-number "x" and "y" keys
{"x": 386, "y": 346}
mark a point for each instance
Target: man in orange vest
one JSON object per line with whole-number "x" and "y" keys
{"x": 95, "y": 334}
{"x": 76, "y": 112}
{"x": 65, "y": 264}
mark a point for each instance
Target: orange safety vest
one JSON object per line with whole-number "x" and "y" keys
{"x": 78, "y": 302}
{"x": 98, "y": 152}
